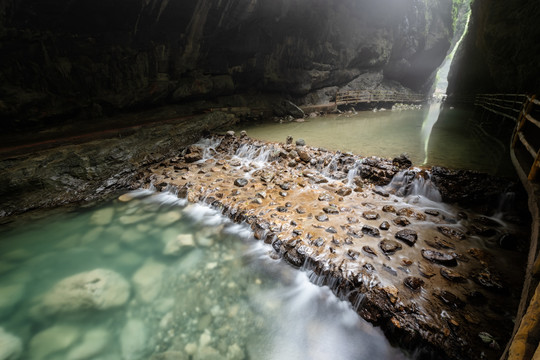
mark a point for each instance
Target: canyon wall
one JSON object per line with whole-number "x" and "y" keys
{"x": 501, "y": 52}
{"x": 81, "y": 59}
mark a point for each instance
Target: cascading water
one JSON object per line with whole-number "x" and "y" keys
{"x": 439, "y": 95}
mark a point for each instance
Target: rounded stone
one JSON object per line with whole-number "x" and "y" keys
{"x": 300, "y": 142}
{"x": 241, "y": 182}
{"x": 413, "y": 283}
{"x": 370, "y": 215}
{"x": 389, "y": 246}
{"x": 408, "y": 236}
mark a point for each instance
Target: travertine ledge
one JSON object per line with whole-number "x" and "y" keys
{"x": 434, "y": 276}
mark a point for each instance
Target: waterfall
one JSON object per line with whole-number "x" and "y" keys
{"x": 439, "y": 95}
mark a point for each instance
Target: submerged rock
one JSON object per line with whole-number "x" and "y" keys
{"x": 52, "y": 340}
{"x": 99, "y": 289}
{"x": 93, "y": 342}
{"x": 148, "y": 279}
{"x": 10, "y": 346}
{"x": 133, "y": 340}
{"x": 389, "y": 246}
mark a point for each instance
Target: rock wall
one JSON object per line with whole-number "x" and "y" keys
{"x": 85, "y": 59}
{"x": 501, "y": 51}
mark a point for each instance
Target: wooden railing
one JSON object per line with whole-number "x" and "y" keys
{"x": 525, "y": 117}
{"x": 505, "y": 105}
{"x": 363, "y": 96}
{"x": 517, "y": 108}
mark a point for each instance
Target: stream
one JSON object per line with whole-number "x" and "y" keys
{"x": 102, "y": 283}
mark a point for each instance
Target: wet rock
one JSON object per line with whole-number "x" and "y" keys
{"x": 451, "y": 233}
{"x": 243, "y": 134}
{"x": 318, "y": 242}
{"x": 389, "y": 208}
{"x": 148, "y": 280}
{"x": 193, "y": 153}
{"x": 452, "y": 275}
{"x": 482, "y": 230}
{"x": 331, "y": 210}
{"x": 285, "y": 186}
{"x": 370, "y": 215}
{"x": 344, "y": 191}
{"x": 331, "y": 230}
{"x": 99, "y": 289}
{"x": 294, "y": 258}
{"x": 261, "y": 195}
{"x": 10, "y": 346}
{"x": 325, "y": 197}
{"x": 426, "y": 270}
{"x": 438, "y": 243}
{"x": 241, "y": 182}
{"x": 450, "y": 299}
{"x": 300, "y": 142}
{"x": 289, "y": 140}
{"x": 133, "y": 340}
{"x": 401, "y": 221}
{"x": 167, "y": 218}
{"x": 268, "y": 176}
{"x": 381, "y": 192}
{"x": 389, "y": 270}
{"x": 283, "y": 194}
{"x": 510, "y": 241}
{"x": 368, "y": 250}
{"x": 385, "y": 225}
{"x": 402, "y": 161}
{"x": 413, "y": 283}
{"x": 432, "y": 212}
{"x": 439, "y": 257}
{"x": 322, "y": 217}
{"x": 300, "y": 210}
{"x": 51, "y": 340}
{"x": 370, "y": 230}
{"x": 389, "y": 246}
{"x": 353, "y": 254}
{"x": 488, "y": 280}
{"x": 408, "y": 212}
{"x": 408, "y": 236}
{"x": 304, "y": 155}
{"x": 282, "y": 209}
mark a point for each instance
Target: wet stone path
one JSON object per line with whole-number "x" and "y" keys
{"x": 432, "y": 275}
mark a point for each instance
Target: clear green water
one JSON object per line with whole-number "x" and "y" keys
{"x": 219, "y": 296}
{"x": 455, "y": 141}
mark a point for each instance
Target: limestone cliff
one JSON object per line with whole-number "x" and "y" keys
{"x": 501, "y": 51}
{"x": 84, "y": 59}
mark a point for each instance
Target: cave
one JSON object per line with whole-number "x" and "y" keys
{"x": 269, "y": 179}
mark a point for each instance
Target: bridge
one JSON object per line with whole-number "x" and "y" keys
{"x": 364, "y": 96}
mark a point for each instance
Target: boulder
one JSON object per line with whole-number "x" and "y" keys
{"x": 99, "y": 289}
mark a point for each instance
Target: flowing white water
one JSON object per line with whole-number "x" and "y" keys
{"x": 439, "y": 95}
{"x": 200, "y": 287}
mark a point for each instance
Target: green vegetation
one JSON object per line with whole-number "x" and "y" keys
{"x": 459, "y": 9}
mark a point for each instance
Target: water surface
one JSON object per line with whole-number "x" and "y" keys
{"x": 199, "y": 286}
{"x": 456, "y": 141}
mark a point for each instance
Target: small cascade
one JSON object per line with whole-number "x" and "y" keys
{"x": 258, "y": 154}
{"x": 332, "y": 166}
{"x": 415, "y": 183}
{"x": 354, "y": 171}
{"x": 209, "y": 146}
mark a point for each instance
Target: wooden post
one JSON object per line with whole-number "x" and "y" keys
{"x": 522, "y": 118}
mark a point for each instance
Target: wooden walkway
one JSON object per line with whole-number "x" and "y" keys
{"x": 524, "y": 110}
{"x": 363, "y": 96}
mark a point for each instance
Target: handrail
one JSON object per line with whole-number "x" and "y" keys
{"x": 358, "y": 96}
{"x": 517, "y": 107}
